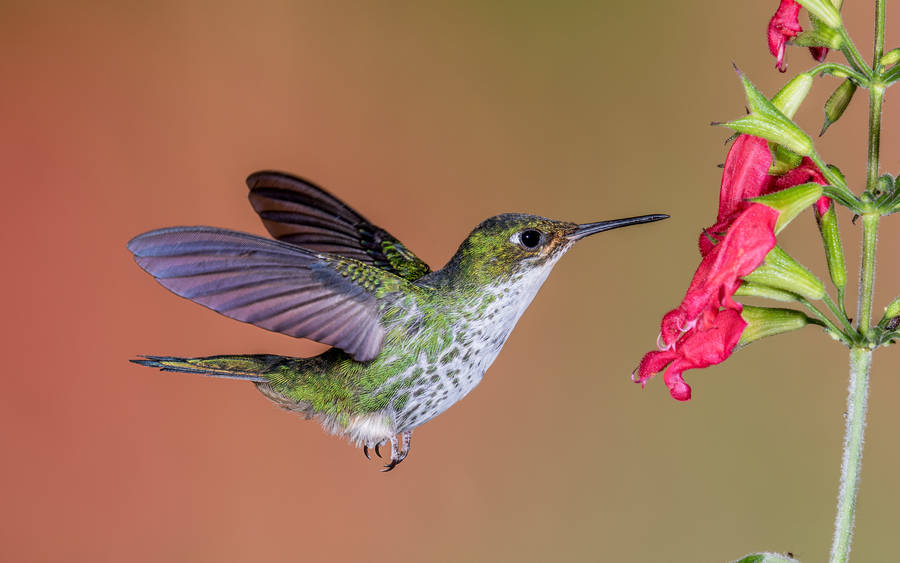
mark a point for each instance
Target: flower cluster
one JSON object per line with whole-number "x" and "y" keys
{"x": 707, "y": 326}
{"x": 770, "y": 175}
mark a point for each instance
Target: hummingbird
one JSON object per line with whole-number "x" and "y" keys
{"x": 407, "y": 342}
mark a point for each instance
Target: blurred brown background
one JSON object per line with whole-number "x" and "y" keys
{"x": 118, "y": 118}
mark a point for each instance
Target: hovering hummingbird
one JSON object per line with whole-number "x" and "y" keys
{"x": 407, "y": 342}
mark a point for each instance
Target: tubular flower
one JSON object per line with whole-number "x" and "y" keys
{"x": 705, "y": 328}
{"x": 783, "y": 26}
{"x": 700, "y": 347}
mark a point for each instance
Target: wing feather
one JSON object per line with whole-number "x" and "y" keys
{"x": 271, "y": 284}
{"x": 299, "y": 212}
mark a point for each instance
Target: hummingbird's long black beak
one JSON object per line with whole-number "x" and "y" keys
{"x": 593, "y": 228}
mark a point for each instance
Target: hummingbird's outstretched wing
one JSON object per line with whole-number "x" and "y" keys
{"x": 272, "y": 284}
{"x": 301, "y": 213}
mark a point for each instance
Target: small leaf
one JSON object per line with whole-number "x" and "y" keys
{"x": 766, "y": 558}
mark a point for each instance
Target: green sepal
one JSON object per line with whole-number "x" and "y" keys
{"x": 837, "y": 103}
{"x": 780, "y": 271}
{"x": 824, "y": 11}
{"x": 792, "y": 94}
{"x": 766, "y": 121}
{"x": 768, "y": 321}
{"x": 766, "y": 558}
{"x": 892, "y": 310}
{"x": 890, "y": 58}
{"x": 783, "y": 160}
{"x": 749, "y": 289}
{"x": 834, "y": 250}
{"x": 822, "y": 37}
{"x": 790, "y": 202}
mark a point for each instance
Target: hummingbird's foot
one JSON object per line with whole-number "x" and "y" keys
{"x": 399, "y": 449}
{"x": 376, "y": 445}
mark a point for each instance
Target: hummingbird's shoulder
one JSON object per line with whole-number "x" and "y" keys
{"x": 299, "y": 212}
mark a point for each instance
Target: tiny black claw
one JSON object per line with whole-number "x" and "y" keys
{"x": 377, "y": 451}
{"x": 366, "y": 451}
{"x": 390, "y": 466}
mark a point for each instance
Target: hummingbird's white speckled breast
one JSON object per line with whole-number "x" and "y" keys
{"x": 461, "y": 365}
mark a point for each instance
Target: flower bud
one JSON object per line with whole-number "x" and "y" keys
{"x": 890, "y": 58}
{"x": 766, "y": 321}
{"x": 780, "y": 271}
{"x": 837, "y": 103}
{"x": 789, "y": 98}
{"x": 834, "y": 250}
{"x": 892, "y": 310}
{"x": 790, "y": 202}
{"x": 750, "y": 289}
{"x": 766, "y": 121}
{"x": 824, "y": 11}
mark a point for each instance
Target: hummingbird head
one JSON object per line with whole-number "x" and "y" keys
{"x": 514, "y": 245}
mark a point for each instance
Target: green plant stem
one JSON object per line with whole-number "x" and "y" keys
{"x": 837, "y": 69}
{"x": 825, "y": 321}
{"x": 857, "y": 398}
{"x": 867, "y": 273}
{"x": 852, "y": 53}
{"x": 840, "y": 314}
{"x": 876, "y": 99}
{"x": 861, "y": 356}
{"x": 833, "y": 178}
{"x": 879, "y": 36}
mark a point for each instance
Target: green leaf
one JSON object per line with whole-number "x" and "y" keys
{"x": 766, "y": 557}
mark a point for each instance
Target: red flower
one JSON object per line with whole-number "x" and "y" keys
{"x": 783, "y": 25}
{"x": 818, "y": 53}
{"x": 698, "y": 348}
{"x": 746, "y": 175}
{"x": 704, "y": 329}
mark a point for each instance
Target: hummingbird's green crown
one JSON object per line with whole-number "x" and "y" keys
{"x": 501, "y": 246}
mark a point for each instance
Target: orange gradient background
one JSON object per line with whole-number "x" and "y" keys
{"x": 117, "y": 118}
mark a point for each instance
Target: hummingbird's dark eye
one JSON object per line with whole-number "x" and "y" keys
{"x": 530, "y": 238}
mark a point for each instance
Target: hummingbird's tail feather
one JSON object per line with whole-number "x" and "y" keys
{"x": 247, "y": 368}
